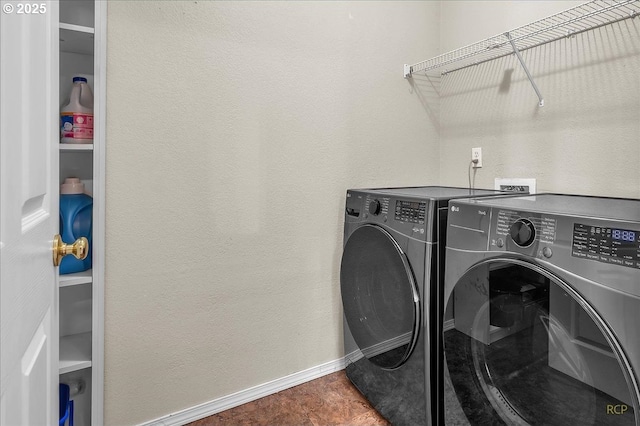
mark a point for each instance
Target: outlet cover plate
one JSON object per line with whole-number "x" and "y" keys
{"x": 476, "y": 154}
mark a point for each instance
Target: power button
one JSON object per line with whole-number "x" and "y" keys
{"x": 547, "y": 252}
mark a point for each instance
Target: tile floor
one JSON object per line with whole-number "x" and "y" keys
{"x": 327, "y": 401}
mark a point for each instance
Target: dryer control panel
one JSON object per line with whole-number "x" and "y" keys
{"x": 411, "y": 211}
{"x": 608, "y": 245}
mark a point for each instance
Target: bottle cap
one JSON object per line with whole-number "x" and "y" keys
{"x": 80, "y": 79}
{"x": 72, "y": 185}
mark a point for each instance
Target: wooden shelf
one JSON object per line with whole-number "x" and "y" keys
{"x": 84, "y": 277}
{"x": 76, "y": 28}
{"x": 76, "y": 39}
{"x": 75, "y": 352}
{"x": 76, "y": 147}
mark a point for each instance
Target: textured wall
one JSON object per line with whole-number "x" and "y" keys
{"x": 234, "y": 129}
{"x": 586, "y": 139}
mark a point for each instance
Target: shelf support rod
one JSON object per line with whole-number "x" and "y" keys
{"x": 526, "y": 70}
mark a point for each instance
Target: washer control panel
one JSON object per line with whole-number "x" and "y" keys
{"x": 525, "y": 228}
{"x": 608, "y": 245}
{"x": 522, "y": 232}
{"x": 411, "y": 211}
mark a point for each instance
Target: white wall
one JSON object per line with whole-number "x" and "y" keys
{"x": 586, "y": 139}
{"x": 234, "y": 129}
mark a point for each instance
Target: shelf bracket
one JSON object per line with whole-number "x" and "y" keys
{"x": 407, "y": 70}
{"x": 526, "y": 70}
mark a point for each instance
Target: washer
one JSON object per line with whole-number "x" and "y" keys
{"x": 545, "y": 296}
{"x": 390, "y": 270}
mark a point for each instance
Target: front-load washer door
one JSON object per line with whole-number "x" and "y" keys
{"x": 526, "y": 349}
{"x": 379, "y": 296}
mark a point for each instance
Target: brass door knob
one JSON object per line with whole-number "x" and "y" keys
{"x": 79, "y": 249}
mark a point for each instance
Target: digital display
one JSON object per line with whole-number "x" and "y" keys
{"x": 608, "y": 245}
{"x": 623, "y": 235}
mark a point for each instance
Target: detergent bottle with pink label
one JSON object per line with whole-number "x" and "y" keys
{"x": 76, "y": 118}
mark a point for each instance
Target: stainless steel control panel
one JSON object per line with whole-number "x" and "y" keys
{"x": 616, "y": 246}
{"x": 595, "y": 238}
{"x": 542, "y": 227}
{"x": 411, "y": 211}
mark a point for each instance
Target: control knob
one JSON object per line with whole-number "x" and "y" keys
{"x": 522, "y": 232}
{"x": 374, "y": 207}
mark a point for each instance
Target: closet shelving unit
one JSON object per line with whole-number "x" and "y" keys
{"x": 584, "y": 17}
{"x": 82, "y": 51}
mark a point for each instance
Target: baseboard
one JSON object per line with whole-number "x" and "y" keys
{"x": 387, "y": 345}
{"x": 242, "y": 397}
{"x": 449, "y": 324}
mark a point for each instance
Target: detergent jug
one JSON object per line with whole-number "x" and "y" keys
{"x": 76, "y": 117}
{"x": 76, "y": 215}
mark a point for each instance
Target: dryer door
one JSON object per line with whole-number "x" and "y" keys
{"x": 379, "y": 296}
{"x": 527, "y": 349}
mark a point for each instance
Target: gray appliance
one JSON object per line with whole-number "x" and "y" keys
{"x": 391, "y": 267}
{"x": 545, "y": 295}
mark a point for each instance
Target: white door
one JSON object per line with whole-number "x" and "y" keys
{"x": 29, "y": 215}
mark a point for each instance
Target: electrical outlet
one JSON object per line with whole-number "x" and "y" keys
{"x": 476, "y": 154}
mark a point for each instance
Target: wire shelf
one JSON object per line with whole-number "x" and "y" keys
{"x": 587, "y": 16}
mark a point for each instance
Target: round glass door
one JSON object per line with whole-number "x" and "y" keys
{"x": 379, "y": 297}
{"x": 528, "y": 350}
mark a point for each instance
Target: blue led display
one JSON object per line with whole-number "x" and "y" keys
{"x": 623, "y": 235}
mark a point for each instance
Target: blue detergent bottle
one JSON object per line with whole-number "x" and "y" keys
{"x": 76, "y": 213}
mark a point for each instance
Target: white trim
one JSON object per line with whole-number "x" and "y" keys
{"x": 242, "y": 397}
{"x": 353, "y": 357}
{"x": 387, "y": 345}
{"x": 99, "y": 212}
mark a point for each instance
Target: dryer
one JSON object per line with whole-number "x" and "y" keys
{"x": 391, "y": 267}
{"x": 545, "y": 295}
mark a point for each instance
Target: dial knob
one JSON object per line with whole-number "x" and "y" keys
{"x": 523, "y": 232}
{"x": 374, "y": 207}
